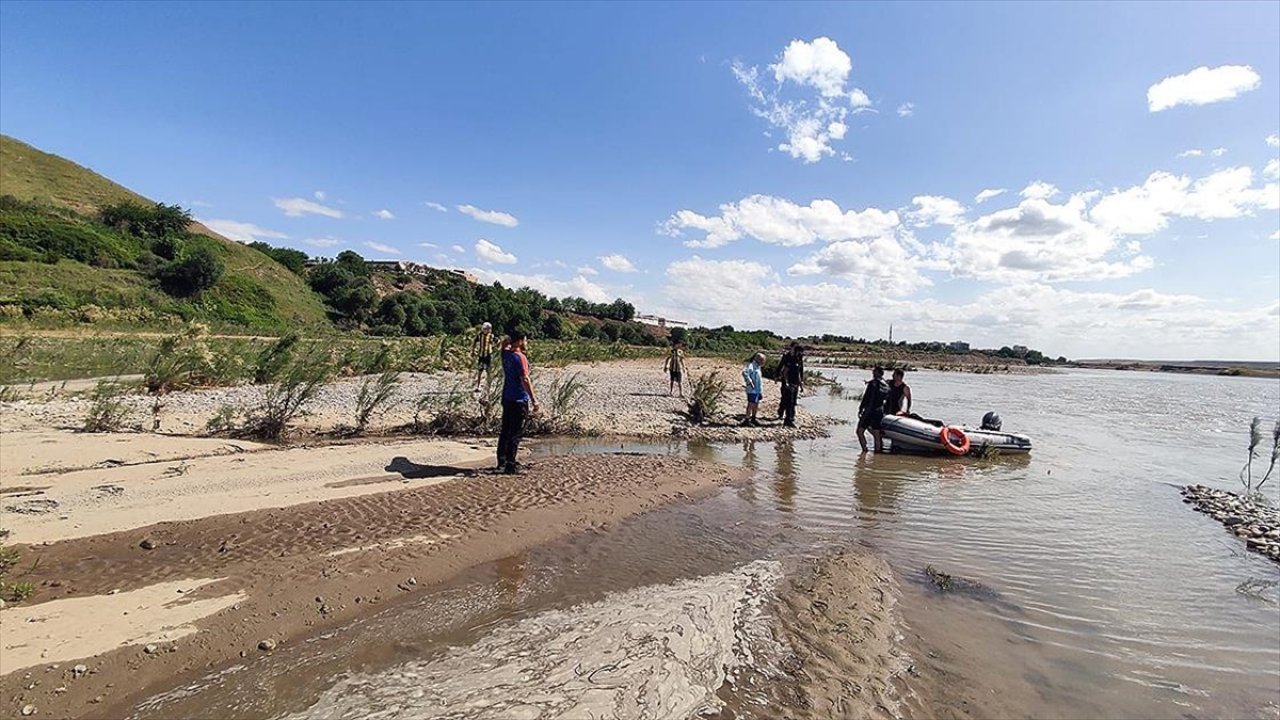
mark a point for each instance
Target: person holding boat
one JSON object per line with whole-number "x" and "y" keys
{"x": 899, "y": 393}
{"x": 791, "y": 373}
{"x": 871, "y": 409}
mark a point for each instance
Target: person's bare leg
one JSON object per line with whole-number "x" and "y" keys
{"x": 879, "y": 438}
{"x": 862, "y": 437}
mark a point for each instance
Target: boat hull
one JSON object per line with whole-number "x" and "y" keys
{"x": 916, "y": 435}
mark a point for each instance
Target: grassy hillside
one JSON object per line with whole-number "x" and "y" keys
{"x": 59, "y": 258}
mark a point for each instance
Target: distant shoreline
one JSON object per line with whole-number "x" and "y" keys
{"x": 1224, "y": 369}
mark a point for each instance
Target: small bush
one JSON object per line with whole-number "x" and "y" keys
{"x": 273, "y": 361}
{"x": 192, "y": 272}
{"x": 558, "y": 415}
{"x": 107, "y": 412}
{"x": 374, "y": 393}
{"x": 705, "y": 397}
{"x": 223, "y": 421}
{"x": 181, "y": 361}
{"x": 283, "y": 402}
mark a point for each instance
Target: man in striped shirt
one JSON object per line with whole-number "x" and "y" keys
{"x": 482, "y": 349}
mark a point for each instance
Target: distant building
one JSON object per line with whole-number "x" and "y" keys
{"x": 659, "y": 321}
{"x": 959, "y": 346}
{"x": 1019, "y": 350}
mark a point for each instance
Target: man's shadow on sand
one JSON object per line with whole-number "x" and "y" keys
{"x": 411, "y": 470}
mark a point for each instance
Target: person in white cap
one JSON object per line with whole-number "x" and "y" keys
{"x": 482, "y": 348}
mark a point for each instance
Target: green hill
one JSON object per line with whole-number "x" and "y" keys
{"x": 57, "y": 257}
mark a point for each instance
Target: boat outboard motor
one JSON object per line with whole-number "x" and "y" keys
{"x": 991, "y": 421}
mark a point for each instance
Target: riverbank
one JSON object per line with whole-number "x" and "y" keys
{"x": 123, "y": 612}
{"x": 625, "y": 398}
{"x": 1256, "y": 524}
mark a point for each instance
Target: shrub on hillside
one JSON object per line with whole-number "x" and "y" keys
{"x": 144, "y": 221}
{"x": 195, "y": 270}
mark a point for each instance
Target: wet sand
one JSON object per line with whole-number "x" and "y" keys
{"x": 275, "y": 576}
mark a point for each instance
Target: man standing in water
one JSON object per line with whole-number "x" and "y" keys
{"x": 899, "y": 392}
{"x": 871, "y": 409}
{"x": 675, "y": 367}
{"x": 791, "y": 371}
{"x": 517, "y": 400}
{"x": 482, "y": 349}
{"x": 753, "y": 381}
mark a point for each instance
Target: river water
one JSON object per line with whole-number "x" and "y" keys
{"x": 1107, "y": 596}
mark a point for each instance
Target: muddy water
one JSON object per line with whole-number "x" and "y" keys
{"x": 1104, "y": 595}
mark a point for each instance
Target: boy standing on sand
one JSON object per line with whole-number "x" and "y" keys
{"x": 675, "y": 367}
{"x": 517, "y": 400}
{"x": 753, "y": 381}
{"x": 482, "y": 349}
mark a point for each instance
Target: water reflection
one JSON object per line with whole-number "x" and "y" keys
{"x": 784, "y": 475}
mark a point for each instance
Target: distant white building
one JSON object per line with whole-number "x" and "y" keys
{"x": 659, "y": 321}
{"x": 959, "y": 346}
{"x": 1019, "y": 350}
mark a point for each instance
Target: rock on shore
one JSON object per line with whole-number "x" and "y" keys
{"x": 1255, "y": 523}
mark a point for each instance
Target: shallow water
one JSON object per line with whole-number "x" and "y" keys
{"x": 1108, "y": 596}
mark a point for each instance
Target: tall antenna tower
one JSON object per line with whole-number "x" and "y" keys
{"x": 890, "y": 333}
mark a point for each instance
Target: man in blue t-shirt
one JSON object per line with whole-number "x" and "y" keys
{"x": 517, "y": 400}
{"x": 753, "y": 382}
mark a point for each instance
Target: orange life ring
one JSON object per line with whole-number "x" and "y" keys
{"x": 948, "y": 434}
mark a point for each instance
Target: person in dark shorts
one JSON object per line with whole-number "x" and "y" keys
{"x": 517, "y": 401}
{"x": 871, "y": 409}
{"x": 482, "y": 348}
{"x": 899, "y": 400}
{"x": 675, "y": 368}
{"x": 791, "y": 373}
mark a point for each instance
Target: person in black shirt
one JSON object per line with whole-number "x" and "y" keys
{"x": 871, "y": 409}
{"x": 899, "y": 392}
{"x": 791, "y": 373}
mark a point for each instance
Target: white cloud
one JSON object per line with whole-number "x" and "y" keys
{"x": 241, "y": 232}
{"x": 1036, "y": 241}
{"x": 1273, "y": 140}
{"x": 382, "y": 248}
{"x": 1143, "y": 323}
{"x": 588, "y": 270}
{"x": 906, "y": 109}
{"x": 297, "y": 207}
{"x": 323, "y": 242}
{"x": 1147, "y": 208}
{"x": 436, "y": 206}
{"x": 458, "y": 249}
{"x": 384, "y": 214}
{"x": 935, "y": 210}
{"x": 1275, "y": 235}
{"x": 1039, "y": 190}
{"x": 617, "y": 263}
{"x": 986, "y": 195}
{"x": 1272, "y": 169}
{"x": 494, "y": 217}
{"x": 319, "y": 195}
{"x": 812, "y": 121}
{"x": 428, "y": 245}
{"x": 1218, "y": 152}
{"x": 491, "y": 253}
{"x": 578, "y": 286}
{"x": 1202, "y": 86}
{"x": 881, "y": 266}
{"x": 781, "y": 222}
{"x": 820, "y": 64}
{"x": 1193, "y": 152}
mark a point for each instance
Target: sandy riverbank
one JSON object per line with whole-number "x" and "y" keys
{"x": 628, "y": 397}
{"x": 215, "y": 586}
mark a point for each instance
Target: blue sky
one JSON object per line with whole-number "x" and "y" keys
{"x": 801, "y": 167}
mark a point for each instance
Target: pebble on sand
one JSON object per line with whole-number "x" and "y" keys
{"x": 267, "y": 645}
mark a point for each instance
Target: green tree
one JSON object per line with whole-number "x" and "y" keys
{"x": 553, "y": 327}
{"x": 195, "y": 270}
